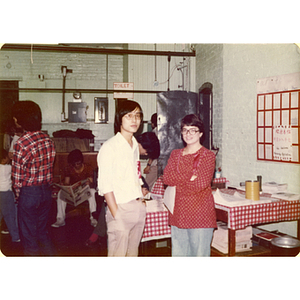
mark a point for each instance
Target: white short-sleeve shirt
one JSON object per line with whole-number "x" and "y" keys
{"x": 118, "y": 169}
{"x": 5, "y": 178}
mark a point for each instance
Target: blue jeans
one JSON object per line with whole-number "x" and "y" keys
{"x": 191, "y": 242}
{"x": 8, "y": 211}
{"x": 33, "y": 213}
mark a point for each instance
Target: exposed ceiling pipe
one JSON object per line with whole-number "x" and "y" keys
{"x": 64, "y": 70}
{"x": 75, "y": 90}
{"x": 92, "y": 50}
{"x": 169, "y": 59}
{"x": 182, "y": 75}
{"x": 155, "y": 68}
{"x": 106, "y": 73}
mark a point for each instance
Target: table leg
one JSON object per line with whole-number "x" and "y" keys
{"x": 231, "y": 242}
{"x": 298, "y": 229}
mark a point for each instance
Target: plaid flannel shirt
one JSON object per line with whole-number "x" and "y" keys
{"x": 33, "y": 160}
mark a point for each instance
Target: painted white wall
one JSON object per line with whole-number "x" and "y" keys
{"x": 234, "y": 69}
{"x": 243, "y": 66}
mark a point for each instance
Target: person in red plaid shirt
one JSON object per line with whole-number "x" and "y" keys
{"x": 32, "y": 172}
{"x": 191, "y": 170}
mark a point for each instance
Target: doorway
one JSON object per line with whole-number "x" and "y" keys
{"x": 205, "y": 112}
{"x": 9, "y": 95}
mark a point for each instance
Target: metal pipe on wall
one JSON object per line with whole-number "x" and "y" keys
{"x": 64, "y": 70}
{"x": 92, "y": 50}
{"x": 57, "y": 90}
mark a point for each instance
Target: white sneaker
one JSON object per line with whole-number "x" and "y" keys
{"x": 59, "y": 223}
{"x": 94, "y": 222}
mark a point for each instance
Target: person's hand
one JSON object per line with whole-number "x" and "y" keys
{"x": 193, "y": 178}
{"x": 10, "y": 155}
{"x": 90, "y": 181}
{"x": 147, "y": 170}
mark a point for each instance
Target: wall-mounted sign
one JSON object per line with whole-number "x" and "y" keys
{"x": 278, "y": 115}
{"x": 282, "y": 141}
{"x": 123, "y": 86}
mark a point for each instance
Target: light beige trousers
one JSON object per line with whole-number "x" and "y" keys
{"x": 126, "y": 229}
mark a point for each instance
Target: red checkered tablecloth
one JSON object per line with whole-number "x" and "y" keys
{"x": 220, "y": 180}
{"x": 158, "y": 187}
{"x": 156, "y": 226}
{"x": 241, "y": 216}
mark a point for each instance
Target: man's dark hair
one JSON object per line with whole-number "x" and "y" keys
{"x": 124, "y": 107}
{"x": 75, "y": 156}
{"x": 3, "y": 154}
{"x": 154, "y": 120}
{"x": 150, "y": 143}
{"x": 28, "y": 115}
{"x": 145, "y": 184}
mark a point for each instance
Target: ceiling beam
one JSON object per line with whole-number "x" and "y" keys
{"x": 92, "y": 50}
{"x": 77, "y": 90}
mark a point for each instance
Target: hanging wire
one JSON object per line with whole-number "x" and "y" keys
{"x": 155, "y": 65}
{"x": 173, "y": 69}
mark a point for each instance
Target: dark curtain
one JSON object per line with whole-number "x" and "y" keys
{"x": 172, "y": 106}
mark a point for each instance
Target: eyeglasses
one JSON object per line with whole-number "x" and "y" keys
{"x": 136, "y": 116}
{"x": 191, "y": 131}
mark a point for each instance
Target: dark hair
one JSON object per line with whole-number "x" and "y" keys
{"x": 145, "y": 184}
{"x": 3, "y": 154}
{"x": 154, "y": 119}
{"x": 75, "y": 156}
{"x": 124, "y": 107}
{"x": 28, "y": 115}
{"x": 10, "y": 127}
{"x": 150, "y": 143}
{"x": 192, "y": 120}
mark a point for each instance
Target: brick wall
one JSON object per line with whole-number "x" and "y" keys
{"x": 209, "y": 68}
{"x": 89, "y": 71}
{"x": 234, "y": 69}
{"x": 243, "y": 66}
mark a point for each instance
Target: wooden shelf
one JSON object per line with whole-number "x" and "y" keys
{"x": 160, "y": 247}
{"x": 255, "y": 251}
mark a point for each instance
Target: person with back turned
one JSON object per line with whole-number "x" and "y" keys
{"x": 32, "y": 172}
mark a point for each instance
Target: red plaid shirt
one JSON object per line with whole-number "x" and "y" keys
{"x": 33, "y": 160}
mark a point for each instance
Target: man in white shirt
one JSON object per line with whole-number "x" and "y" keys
{"x": 119, "y": 181}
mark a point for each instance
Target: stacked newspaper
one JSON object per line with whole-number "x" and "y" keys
{"x": 273, "y": 187}
{"x": 279, "y": 191}
{"x": 237, "y": 199}
{"x": 286, "y": 196}
{"x": 243, "y": 240}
